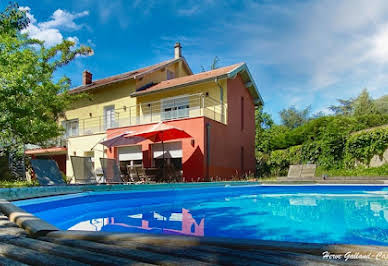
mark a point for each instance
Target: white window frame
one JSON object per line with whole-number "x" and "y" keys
{"x": 67, "y": 125}
{"x": 111, "y": 123}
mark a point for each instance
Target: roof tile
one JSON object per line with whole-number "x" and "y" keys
{"x": 186, "y": 80}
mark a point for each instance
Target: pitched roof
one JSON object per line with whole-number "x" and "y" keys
{"x": 223, "y": 72}
{"x": 188, "y": 80}
{"x": 126, "y": 76}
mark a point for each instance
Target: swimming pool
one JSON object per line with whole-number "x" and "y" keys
{"x": 313, "y": 214}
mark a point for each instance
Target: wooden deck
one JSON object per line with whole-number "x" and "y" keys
{"x": 97, "y": 248}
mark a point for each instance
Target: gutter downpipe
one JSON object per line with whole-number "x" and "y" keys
{"x": 221, "y": 98}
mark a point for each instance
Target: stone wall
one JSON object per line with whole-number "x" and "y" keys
{"x": 377, "y": 160}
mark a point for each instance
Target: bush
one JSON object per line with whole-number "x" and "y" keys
{"x": 362, "y": 146}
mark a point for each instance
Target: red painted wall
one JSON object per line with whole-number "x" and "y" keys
{"x": 60, "y": 159}
{"x": 192, "y": 148}
{"x": 226, "y": 140}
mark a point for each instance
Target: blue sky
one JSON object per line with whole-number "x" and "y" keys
{"x": 299, "y": 52}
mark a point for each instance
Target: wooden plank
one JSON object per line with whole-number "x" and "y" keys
{"x": 32, "y": 224}
{"x": 188, "y": 252}
{"x": 29, "y": 256}
{"x": 241, "y": 244}
{"x": 278, "y": 257}
{"x": 9, "y": 262}
{"x": 77, "y": 254}
{"x": 126, "y": 252}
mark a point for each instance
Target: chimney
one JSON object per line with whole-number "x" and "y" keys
{"x": 86, "y": 77}
{"x": 177, "y": 50}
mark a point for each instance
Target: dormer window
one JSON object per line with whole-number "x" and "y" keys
{"x": 170, "y": 74}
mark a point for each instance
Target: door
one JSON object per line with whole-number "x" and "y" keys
{"x": 109, "y": 117}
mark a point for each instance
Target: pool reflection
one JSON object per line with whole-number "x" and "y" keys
{"x": 180, "y": 223}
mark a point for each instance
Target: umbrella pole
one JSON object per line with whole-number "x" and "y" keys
{"x": 163, "y": 160}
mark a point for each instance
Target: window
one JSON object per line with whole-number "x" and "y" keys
{"x": 170, "y": 74}
{"x": 242, "y": 113}
{"x": 174, "y": 108}
{"x": 109, "y": 117}
{"x": 71, "y": 127}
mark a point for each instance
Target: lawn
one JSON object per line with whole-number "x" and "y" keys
{"x": 359, "y": 171}
{"x": 8, "y": 184}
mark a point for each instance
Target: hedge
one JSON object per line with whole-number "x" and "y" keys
{"x": 363, "y": 145}
{"x": 333, "y": 152}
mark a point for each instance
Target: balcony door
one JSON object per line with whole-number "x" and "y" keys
{"x": 109, "y": 117}
{"x": 175, "y": 108}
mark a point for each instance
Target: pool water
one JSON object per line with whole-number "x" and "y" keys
{"x": 314, "y": 214}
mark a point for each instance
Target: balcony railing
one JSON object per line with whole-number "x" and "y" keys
{"x": 187, "y": 106}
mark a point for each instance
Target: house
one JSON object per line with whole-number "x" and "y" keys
{"x": 217, "y": 108}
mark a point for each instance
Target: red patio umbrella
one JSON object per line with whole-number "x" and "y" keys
{"x": 160, "y": 133}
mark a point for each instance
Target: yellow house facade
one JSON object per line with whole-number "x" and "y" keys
{"x": 167, "y": 91}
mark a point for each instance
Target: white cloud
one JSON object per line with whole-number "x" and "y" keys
{"x": 49, "y": 31}
{"x": 326, "y": 41}
{"x": 74, "y": 39}
{"x": 63, "y": 19}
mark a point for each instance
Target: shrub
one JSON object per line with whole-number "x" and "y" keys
{"x": 362, "y": 146}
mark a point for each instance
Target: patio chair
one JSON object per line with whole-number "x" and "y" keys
{"x": 133, "y": 175}
{"x": 111, "y": 171}
{"x": 83, "y": 170}
{"x": 47, "y": 172}
{"x": 141, "y": 174}
{"x": 308, "y": 170}
{"x": 302, "y": 171}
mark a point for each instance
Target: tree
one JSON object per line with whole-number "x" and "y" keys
{"x": 382, "y": 104}
{"x": 263, "y": 123}
{"x": 293, "y": 118}
{"x": 30, "y": 101}
{"x": 364, "y": 104}
{"x": 345, "y": 107}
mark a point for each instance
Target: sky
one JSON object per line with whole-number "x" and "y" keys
{"x": 299, "y": 53}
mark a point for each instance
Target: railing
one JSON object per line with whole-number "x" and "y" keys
{"x": 187, "y": 106}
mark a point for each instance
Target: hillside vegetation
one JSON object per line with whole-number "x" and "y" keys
{"x": 327, "y": 140}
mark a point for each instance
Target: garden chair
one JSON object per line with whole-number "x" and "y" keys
{"x": 111, "y": 171}
{"x": 83, "y": 170}
{"x": 47, "y": 172}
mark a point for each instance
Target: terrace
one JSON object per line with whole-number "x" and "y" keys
{"x": 182, "y": 107}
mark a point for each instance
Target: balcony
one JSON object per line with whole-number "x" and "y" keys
{"x": 187, "y": 106}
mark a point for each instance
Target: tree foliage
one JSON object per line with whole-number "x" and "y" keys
{"x": 382, "y": 104}
{"x": 361, "y": 105}
{"x": 293, "y": 118}
{"x": 364, "y": 104}
{"x": 30, "y": 100}
{"x": 345, "y": 107}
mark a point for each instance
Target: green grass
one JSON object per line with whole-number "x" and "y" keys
{"x": 262, "y": 179}
{"x": 9, "y": 184}
{"x": 359, "y": 171}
